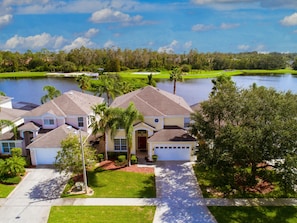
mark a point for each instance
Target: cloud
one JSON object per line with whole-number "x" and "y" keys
{"x": 202, "y": 27}
{"x": 229, "y": 25}
{"x": 188, "y": 44}
{"x": 111, "y": 16}
{"x": 243, "y": 47}
{"x": 91, "y": 32}
{"x": 79, "y": 42}
{"x": 36, "y": 42}
{"x": 110, "y": 45}
{"x": 5, "y": 19}
{"x": 168, "y": 48}
{"x": 290, "y": 20}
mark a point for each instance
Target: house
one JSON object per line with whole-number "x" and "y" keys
{"x": 48, "y": 121}
{"x": 8, "y": 138}
{"x": 163, "y": 131}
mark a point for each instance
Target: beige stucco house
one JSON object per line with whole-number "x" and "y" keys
{"x": 163, "y": 131}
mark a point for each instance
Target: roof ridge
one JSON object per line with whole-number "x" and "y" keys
{"x": 54, "y": 103}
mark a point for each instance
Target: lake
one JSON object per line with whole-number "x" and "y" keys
{"x": 193, "y": 91}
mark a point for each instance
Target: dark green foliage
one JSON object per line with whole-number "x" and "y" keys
{"x": 133, "y": 159}
{"x": 11, "y": 180}
{"x": 100, "y": 157}
{"x": 122, "y": 158}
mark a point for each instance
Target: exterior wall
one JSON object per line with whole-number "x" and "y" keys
{"x": 110, "y": 143}
{"x": 6, "y": 104}
{"x": 73, "y": 120}
{"x": 179, "y": 121}
{"x": 18, "y": 144}
{"x": 152, "y": 121}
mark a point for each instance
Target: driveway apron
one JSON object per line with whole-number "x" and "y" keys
{"x": 31, "y": 200}
{"x": 179, "y": 195}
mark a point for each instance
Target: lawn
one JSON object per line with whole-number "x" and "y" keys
{"x": 258, "y": 214}
{"x": 22, "y": 74}
{"x": 120, "y": 184}
{"x": 102, "y": 214}
{"x": 5, "y": 190}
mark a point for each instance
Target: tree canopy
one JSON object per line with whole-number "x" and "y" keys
{"x": 240, "y": 130}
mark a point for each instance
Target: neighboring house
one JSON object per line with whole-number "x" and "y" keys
{"x": 163, "y": 131}
{"x": 72, "y": 108}
{"x": 44, "y": 148}
{"x": 8, "y": 139}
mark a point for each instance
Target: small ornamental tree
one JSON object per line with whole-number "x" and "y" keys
{"x": 13, "y": 166}
{"x": 69, "y": 159}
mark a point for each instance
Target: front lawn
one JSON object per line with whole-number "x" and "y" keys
{"x": 120, "y": 184}
{"x": 258, "y": 214}
{"x": 102, "y": 214}
{"x": 5, "y": 190}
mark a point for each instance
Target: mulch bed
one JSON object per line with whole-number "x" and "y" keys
{"x": 110, "y": 165}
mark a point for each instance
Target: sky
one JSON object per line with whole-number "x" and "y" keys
{"x": 166, "y": 26}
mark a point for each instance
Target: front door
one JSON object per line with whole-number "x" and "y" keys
{"x": 142, "y": 143}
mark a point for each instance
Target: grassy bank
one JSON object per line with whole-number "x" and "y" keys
{"x": 165, "y": 74}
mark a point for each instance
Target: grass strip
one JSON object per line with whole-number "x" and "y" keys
{"x": 258, "y": 214}
{"x": 102, "y": 214}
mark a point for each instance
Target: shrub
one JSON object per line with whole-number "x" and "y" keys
{"x": 11, "y": 180}
{"x": 121, "y": 158}
{"x": 155, "y": 158}
{"x": 16, "y": 152}
{"x": 133, "y": 159}
{"x": 100, "y": 157}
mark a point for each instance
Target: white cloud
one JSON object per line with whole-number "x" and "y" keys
{"x": 36, "y": 42}
{"x": 243, "y": 47}
{"x": 79, "y": 42}
{"x": 5, "y": 19}
{"x": 290, "y": 20}
{"x": 110, "y": 16}
{"x": 202, "y": 27}
{"x": 91, "y": 32}
{"x": 188, "y": 44}
{"x": 168, "y": 48}
{"x": 110, "y": 44}
{"x": 229, "y": 25}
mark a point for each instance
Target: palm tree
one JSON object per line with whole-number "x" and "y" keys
{"x": 129, "y": 116}
{"x": 52, "y": 93}
{"x": 176, "y": 75}
{"x": 105, "y": 119}
{"x": 83, "y": 82}
{"x": 2, "y": 93}
{"x": 7, "y": 123}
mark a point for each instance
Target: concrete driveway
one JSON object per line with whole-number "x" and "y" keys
{"x": 180, "y": 196}
{"x": 31, "y": 200}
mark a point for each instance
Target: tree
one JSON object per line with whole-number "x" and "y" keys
{"x": 83, "y": 82}
{"x": 176, "y": 75}
{"x": 151, "y": 81}
{"x": 242, "y": 128}
{"x": 52, "y": 93}
{"x": 129, "y": 117}
{"x": 69, "y": 158}
{"x": 2, "y": 93}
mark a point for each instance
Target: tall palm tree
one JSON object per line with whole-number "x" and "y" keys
{"x": 52, "y": 93}
{"x": 129, "y": 116}
{"x": 83, "y": 82}
{"x": 176, "y": 75}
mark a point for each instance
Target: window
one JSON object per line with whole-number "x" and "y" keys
{"x": 187, "y": 122}
{"x": 80, "y": 121}
{"x": 120, "y": 144}
{"x": 7, "y": 146}
{"x": 49, "y": 121}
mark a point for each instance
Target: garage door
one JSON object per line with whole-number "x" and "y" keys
{"x": 45, "y": 156}
{"x": 173, "y": 152}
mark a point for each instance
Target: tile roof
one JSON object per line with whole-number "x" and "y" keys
{"x": 54, "y": 138}
{"x": 11, "y": 114}
{"x": 4, "y": 99}
{"x": 171, "y": 135}
{"x": 29, "y": 126}
{"x": 151, "y": 101}
{"x": 69, "y": 103}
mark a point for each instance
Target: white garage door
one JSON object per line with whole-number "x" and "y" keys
{"x": 45, "y": 156}
{"x": 173, "y": 152}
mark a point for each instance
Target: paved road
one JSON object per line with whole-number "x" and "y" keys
{"x": 31, "y": 200}
{"x": 179, "y": 195}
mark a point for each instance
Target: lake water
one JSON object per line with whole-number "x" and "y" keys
{"x": 193, "y": 91}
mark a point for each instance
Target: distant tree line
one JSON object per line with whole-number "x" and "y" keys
{"x": 115, "y": 60}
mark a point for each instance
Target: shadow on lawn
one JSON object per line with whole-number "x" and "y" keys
{"x": 259, "y": 214}
{"x": 149, "y": 190}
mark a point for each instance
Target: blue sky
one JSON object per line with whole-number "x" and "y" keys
{"x": 171, "y": 26}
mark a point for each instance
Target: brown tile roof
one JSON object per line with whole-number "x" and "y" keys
{"x": 196, "y": 107}
{"x": 29, "y": 126}
{"x": 54, "y": 138}
{"x": 152, "y": 101}
{"x": 69, "y": 103}
{"x": 11, "y": 114}
{"x": 171, "y": 135}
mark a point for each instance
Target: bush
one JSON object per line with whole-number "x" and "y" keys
{"x": 133, "y": 159}
{"x": 100, "y": 157}
{"x": 121, "y": 158}
{"x": 16, "y": 152}
{"x": 155, "y": 158}
{"x": 11, "y": 180}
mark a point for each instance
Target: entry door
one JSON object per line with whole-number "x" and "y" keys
{"x": 142, "y": 143}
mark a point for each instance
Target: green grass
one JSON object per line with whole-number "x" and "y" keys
{"x": 120, "y": 184}
{"x": 5, "y": 190}
{"x": 22, "y": 74}
{"x": 258, "y": 214}
{"x": 102, "y": 214}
